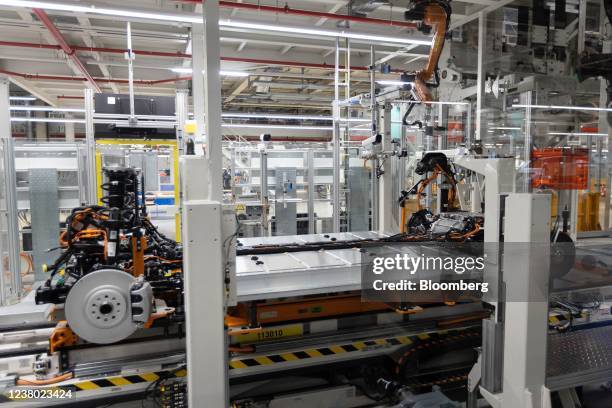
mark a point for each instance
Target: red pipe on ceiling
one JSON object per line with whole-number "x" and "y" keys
{"x": 70, "y": 97}
{"x": 308, "y": 13}
{"x": 69, "y": 51}
{"x": 178, "y": 55}
{"x": 40, "y": 77}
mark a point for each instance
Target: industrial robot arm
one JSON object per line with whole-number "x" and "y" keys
{"x": 433, "y": 15}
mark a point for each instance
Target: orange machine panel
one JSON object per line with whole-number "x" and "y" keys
{"x": 560, "y": 168}
{"x": 305, "y": 309}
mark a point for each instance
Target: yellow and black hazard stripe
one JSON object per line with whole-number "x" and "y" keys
{"x": 246, "y": 362}
{"x": 122, "y": 381}
{"x": 560, "y": 319}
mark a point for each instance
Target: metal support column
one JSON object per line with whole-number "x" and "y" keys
{"x": 386, "y": 203}
{"x": 526, "y": 255}
{"x": 197, "y": 81}
{"x": 582, "y": 17}
{"x": 90, "y": 142}
{"x": 207, "y": 369}
{"x": 11, "y": 290}
{"x": 528, "y": 143}
{"x": 212, "y": 98}
{"x": 480, "y": 85}
{"x": 69, "y": 129}
{"x": 182, "y": 107}
{"x": 402, "y": 160}
{"x": 263, "y": 187}
{"x": 467, "y": 131}
{"x": 336, "y": 142}
{"x": 374, "y": 130}
{"x": 311, "y": 191}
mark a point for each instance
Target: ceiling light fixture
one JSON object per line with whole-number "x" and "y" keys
{"x": 75, "y": 8}
{"x": 323, "y": 33}
{"x": 22, "y": 98}
{"x": 576, "y": 134}
{"x": 581, "y": 108}
{"x": 45, "y": 109}
{"x": 505, "y": 128}
{"x": 240, "y": 115}
{"x": 47, "y": 120}
{"x": 432, "y": 102}
{"x": 184, "y": 70}
{"x": 272, "y": 127}
{"x": 393, "y": 83}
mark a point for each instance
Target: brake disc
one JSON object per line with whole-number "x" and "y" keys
{"x": 98, "y": 307}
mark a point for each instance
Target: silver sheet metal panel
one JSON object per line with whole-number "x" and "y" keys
{"x": 579, "y": 357}
{"x": 299, "y": 273}
{"x": 296, "y": 274}
{"x": 44, "y": 207}
{"x": 301, "y": 239}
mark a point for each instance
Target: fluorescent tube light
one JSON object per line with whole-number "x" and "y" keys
{"x": 273, "y": 116}
{"x": 22, "y": 98}
{"x": 576, "y": 134}
{"x": 431, "y": 102}
{"x": 266, "y": 126}
{"x": 580, "y": 108}
{"x": 45, "y": 109}
{"x": 47, "y": 120}
{"x": 233, "y": 73}
{"x": 323, "y": 33}
{"x": 182, "y": 18}
{"x": 393, "y": 83}
{"x": 182, "y": 70}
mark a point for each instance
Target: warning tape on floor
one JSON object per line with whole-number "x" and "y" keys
{"x": 265, "y": 360}
{"x": 122, "y": 381}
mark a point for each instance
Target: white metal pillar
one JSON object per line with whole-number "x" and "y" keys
{"x": 212, "y": 98}
{"x": 480, "y": 85}
{"x": 205, "y": 272}
{"x": 197, "y": 80}
{"x": 91, "y": 147}
{"x": 526, "y": 260}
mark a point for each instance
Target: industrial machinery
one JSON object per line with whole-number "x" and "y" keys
{"x": 117, "y": 272}
{"x": 282, "y": 320}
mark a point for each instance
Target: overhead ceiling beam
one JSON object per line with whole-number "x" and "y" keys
{"x": 89, "y": 41}
{"x": 238, "y": 89}
{"x": 332, "y": 10}
{"x": 34, "y": 90}
{"x": 241, "y": 46}
{"x": 42, "y": 16}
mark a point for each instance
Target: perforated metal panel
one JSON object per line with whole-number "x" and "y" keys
{"x": 44, "y": 205}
